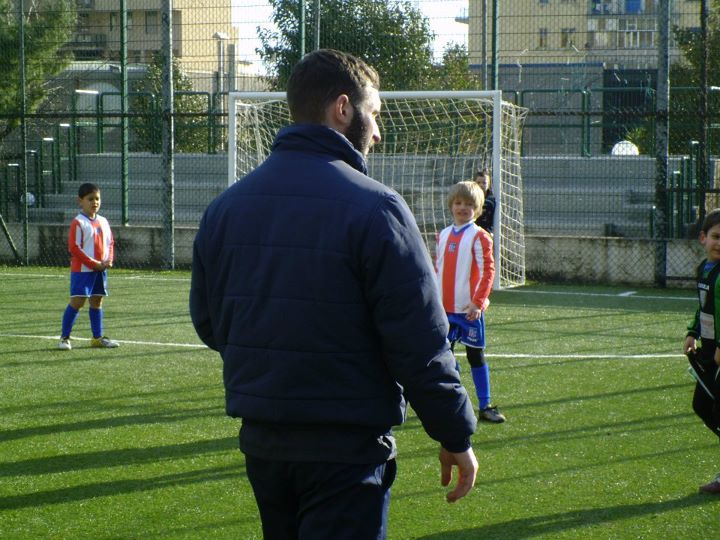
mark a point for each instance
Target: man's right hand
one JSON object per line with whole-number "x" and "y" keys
{"x": 467, "y": 471}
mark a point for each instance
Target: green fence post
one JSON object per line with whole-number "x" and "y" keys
{"x": 4, "y": 190}
{"x": 99, "y": 123}
{"x": 18, "y": 187}
{"x": 68, "y": 158}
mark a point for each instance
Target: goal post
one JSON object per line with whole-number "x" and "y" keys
{"x": 429, "y": 141}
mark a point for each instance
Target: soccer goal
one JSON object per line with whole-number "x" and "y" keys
{"x": 430, "y": 140}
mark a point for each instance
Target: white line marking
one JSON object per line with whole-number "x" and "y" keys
{"x": 127, "y": 341}
{"x": 114, "y": 277}
{"x": 627, "y": 293}
{"x": 496, "y": 355}
{"x": 608, "y": 295}
{"x": 587, "y": 356}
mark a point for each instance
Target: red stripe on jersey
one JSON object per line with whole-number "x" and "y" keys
{"x": 450, "y": 256}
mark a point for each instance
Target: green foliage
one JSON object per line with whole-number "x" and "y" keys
{"x": 685, "y": 80}
{"x": 454, "y": 73}
{"x": 601, "y": 441}
{"x": 47, "y": 28}
{"x": 192, "y": 112}
{"x": 393, "y": 37}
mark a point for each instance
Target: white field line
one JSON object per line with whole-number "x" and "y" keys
{"x": 114, "y": 277}
{"x": 630, "y": 295}
{"x": 626, "y": 294}
{"x": 496, "y": 355}
{"x": 588, "y": 356}
{"x": 126, "y": 341}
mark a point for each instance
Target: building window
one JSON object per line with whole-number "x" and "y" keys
{"x": 543, "y": 38}
{"x": 637, "y": 33}
{"x": 544, "y": 1}
{"x": 567, "y": 38}
{"x": 151, "y": 22}
{"x": 113, "y": 21}
{"x": 602, "y": 33}
{"x": 83, "y": 22}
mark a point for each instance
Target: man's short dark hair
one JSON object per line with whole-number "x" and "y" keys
{"x": 323, "y": 75}
{"x": 711, "y": 219}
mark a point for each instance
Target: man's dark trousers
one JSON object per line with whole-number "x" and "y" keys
{"x": 321, "y": 500}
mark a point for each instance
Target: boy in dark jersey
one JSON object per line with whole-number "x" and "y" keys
{"x": 487, "y": 216}
{"x": 701, "y": 343}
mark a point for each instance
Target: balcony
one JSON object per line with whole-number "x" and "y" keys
{"x": 87, "y": 46}
{"x": 623, "y": 7}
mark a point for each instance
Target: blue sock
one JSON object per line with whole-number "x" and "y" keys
{"x": 68, "y": 320}
{"x": 481, "y": 378}
{"x": 96, "y": 322}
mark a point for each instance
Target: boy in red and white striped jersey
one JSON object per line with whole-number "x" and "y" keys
{"x": 91, "y": 245}
{"x": 465, "y": 271}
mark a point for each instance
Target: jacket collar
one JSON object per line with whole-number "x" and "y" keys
{"x": 319, "y": 138}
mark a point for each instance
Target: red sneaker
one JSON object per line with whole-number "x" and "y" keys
{"x": 712, "y": 487}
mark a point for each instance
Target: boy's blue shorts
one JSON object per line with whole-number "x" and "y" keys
{"x": 88, "y": 284}
{"x": 469, "y": 333}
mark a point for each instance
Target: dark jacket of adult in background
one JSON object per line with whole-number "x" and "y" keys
{"x": 487, "y": 218}
{"x": 312, "y": 281}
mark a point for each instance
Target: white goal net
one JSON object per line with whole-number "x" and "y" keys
{"x": 430, "y": 140}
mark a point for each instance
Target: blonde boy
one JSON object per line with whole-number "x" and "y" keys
{"x": 465, "y": 272}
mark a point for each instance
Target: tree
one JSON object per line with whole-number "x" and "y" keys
{"x": 48, "y": 25}
{"x": 685, "y": 79}
{"x": 392, "y": 36}
{"x": 454, "y": 73}
{"x": 192, "y": 111}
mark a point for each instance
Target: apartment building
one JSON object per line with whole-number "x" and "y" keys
{"x": 203, "y": 34}
{"x": 611, "y": 32}
{"x": 565, "y": 56}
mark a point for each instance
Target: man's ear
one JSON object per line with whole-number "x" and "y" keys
{"x": 340, "y": 113}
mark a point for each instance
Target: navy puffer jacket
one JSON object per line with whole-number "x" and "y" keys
{"x": 312, "y": 281}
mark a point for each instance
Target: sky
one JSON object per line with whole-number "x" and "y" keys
{"x": 441, "y": 14}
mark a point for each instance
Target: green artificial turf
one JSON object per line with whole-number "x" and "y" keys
{"x": 600, "y": 442}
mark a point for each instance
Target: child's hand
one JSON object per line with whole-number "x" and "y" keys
{"x": 717, "y": 356}
{"x": 689, "y": 346}
{"x": 472, "y": 312}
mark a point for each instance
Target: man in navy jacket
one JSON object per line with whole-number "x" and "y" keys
{"x": 313, "y": 283}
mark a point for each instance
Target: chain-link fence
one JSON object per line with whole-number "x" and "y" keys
{"x": 618, "y": 150}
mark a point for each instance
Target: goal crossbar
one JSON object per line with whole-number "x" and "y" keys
{"x": 495, "y": 163}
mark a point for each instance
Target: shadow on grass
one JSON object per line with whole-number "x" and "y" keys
{"x": 116, "y": 487}
{"x": 550, "y": 524}
{"x": 111, "y": 422}
{"x": 192, "y": 393}
{"x": 572, "y": 469}
{"x": 413, "y": 422}
{"x": 593, "y": 431}
{"x": 666, "y": 302}
{"x": 48, "y": 355}
{"x": 500, "y": 364}
{"x": 116, "y": 458}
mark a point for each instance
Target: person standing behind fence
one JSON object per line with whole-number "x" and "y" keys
{"x": 465, "y": 272}
{"x": 313, "y": 282}
{"x": 701, "y": 343}
{"x": 91, "y": 247}
{"x": 487, "y": 216}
